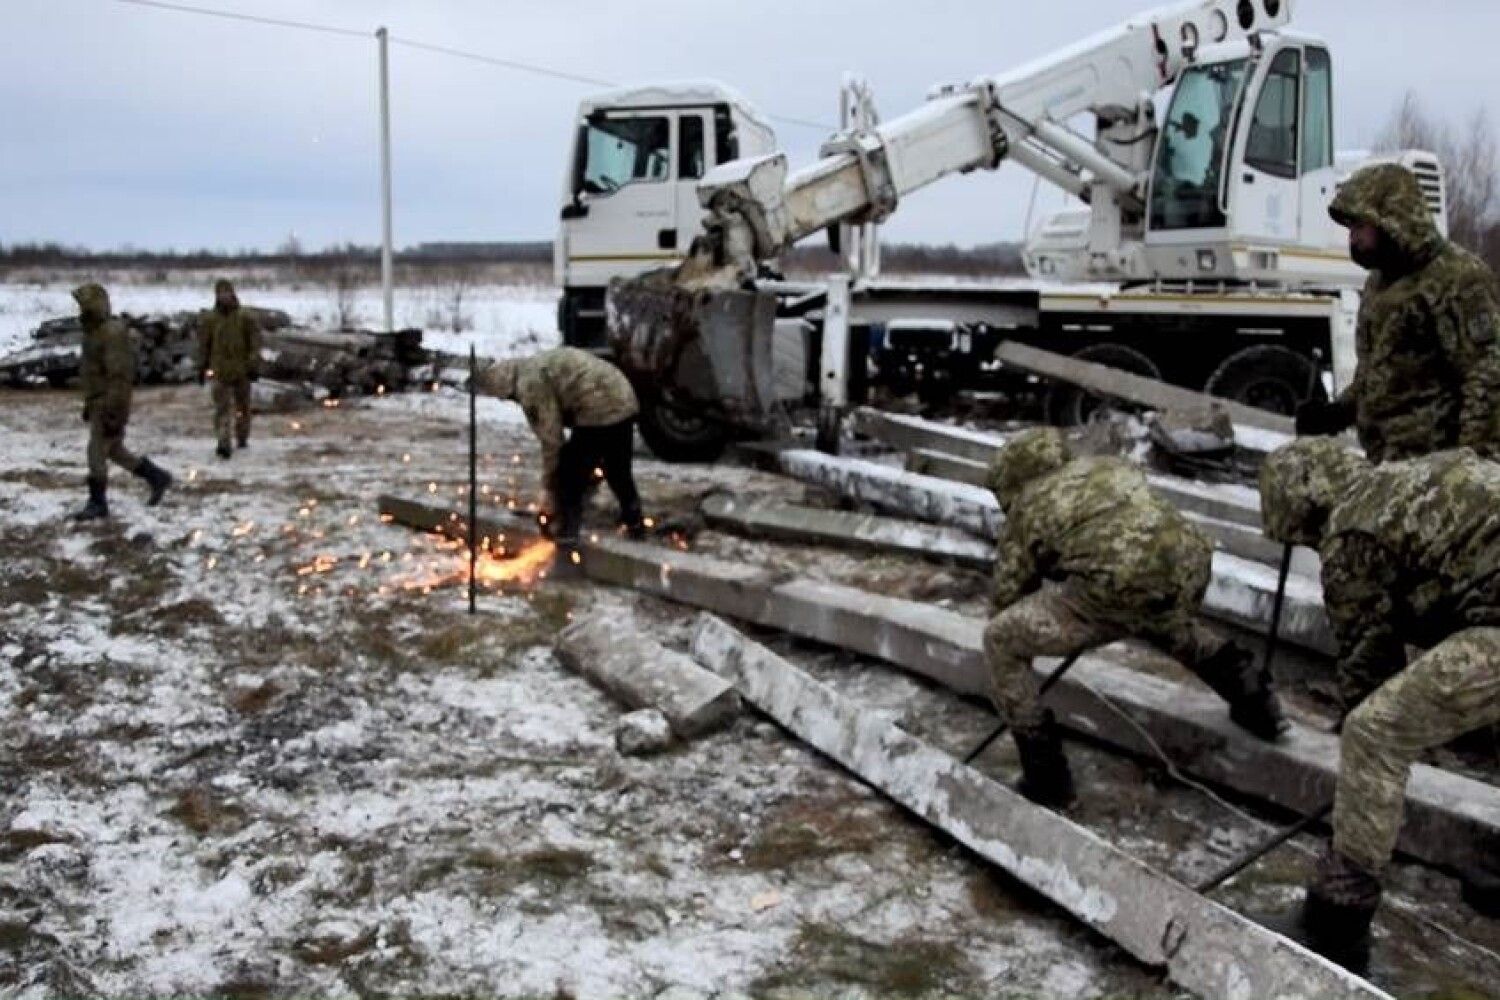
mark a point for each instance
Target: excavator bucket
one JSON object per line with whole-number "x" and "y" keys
{"x": 705, "y": 347}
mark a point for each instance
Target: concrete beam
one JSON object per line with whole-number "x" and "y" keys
{"x": 907, "y": 433}
{"x": 1148, "y": 392}
{"x": 1202, "y": 946}
{"x": 1449, "y": 818}
{"x": 1242, "y": 591}
{"x": 643, "y": 673}
{"x": 788, "y": 522}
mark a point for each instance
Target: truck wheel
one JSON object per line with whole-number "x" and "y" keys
{"x": 674, "y": 435}
{"x": 1267, "y": 377}
{"x": 1070, "y": 406}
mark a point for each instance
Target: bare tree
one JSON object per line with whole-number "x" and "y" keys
{"x": 345, "y": 285}
{"x": 460, "y": 279}
{"x": 1470, "y": 163}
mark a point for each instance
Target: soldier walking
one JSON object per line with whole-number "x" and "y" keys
{"x": 1089, "y": 555}
{"x": 566, "y": 388}
{"x": 229, "y": 353}
{"x": 108, "y": 379}
{"x": 1428, "y": 339}
{"x": 1411, "y": 554}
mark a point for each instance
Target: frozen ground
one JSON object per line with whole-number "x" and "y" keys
{"x": 254, "y": 747}
{"x": 499, "y": 319}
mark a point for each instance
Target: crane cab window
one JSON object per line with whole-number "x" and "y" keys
{"x": 1317, "y": 112}
{"x": 1190, "y": 160}
{"x": 1272, "y": 144}
{"x": 689, "y": 147}
{"x": 622, "y": 151}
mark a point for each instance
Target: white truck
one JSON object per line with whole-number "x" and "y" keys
{"x": 1204, "y": 256}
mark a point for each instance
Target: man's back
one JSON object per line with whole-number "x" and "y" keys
{"x": 590, "y": 391}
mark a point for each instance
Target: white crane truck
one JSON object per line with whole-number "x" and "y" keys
{"x": 1205, "y": 255}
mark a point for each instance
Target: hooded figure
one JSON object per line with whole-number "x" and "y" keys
{"x": 229, "y": 351}
{"x": 108, "y": 381}
{"x": 568, "y": 388}
{"x": 1428, "y": 339}
{"x": 1090, "y": 555}
{"x": 1411, "y": 554}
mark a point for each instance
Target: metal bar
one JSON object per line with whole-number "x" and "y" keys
{"x": 1052, "y": 679}
{"x": 473, "y": 481}
{"x": 1225, "y": 874}
{"x": 1274, "y": 634}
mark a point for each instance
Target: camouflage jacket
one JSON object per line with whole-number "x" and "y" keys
{"x": 561, "y": 388}
{"x": 229, "y": 344}
{"x": 1411, "y": 553}
{"x": 1428, "y": 339}
{"x": 109, "y": 361}
{"x": 1096, "y": 524}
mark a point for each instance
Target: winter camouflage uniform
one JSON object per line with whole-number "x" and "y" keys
{"x": 569, "y": 388}
{"x": 1411, "y": 553}
{"x": 229, "y": 351}
{"x": 1428, "y": 339}
{"x": 1088, "y": 555}
{"x": 108, "y": 380}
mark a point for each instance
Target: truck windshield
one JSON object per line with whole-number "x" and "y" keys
{"x": 622, "y": 150}
{"x": 1189, "y": 165}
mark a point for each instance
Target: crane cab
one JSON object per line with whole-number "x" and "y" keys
{"x": 629, "y": 200}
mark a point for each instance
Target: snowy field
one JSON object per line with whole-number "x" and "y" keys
{"x": 253, "y": 746}
{"x": 499, "y": 319}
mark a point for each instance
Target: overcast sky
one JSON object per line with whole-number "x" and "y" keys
{"x": 121, "y": 124}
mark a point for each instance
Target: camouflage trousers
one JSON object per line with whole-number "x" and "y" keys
{"x": 1452, "y": 689}
{"x": 232, "y": 411}
{"x": 106, "y": 447}
{"x": 1055, "y": 621}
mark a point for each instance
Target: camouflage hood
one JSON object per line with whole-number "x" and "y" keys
{"x": 93, "y": 303}
{"x": 1301, "y": 483}
{"x": 499, "y": 379}
{"x": 1027, "y": 457}
{"x": 225, "y": 287}
{"x": 1389, "y": 198}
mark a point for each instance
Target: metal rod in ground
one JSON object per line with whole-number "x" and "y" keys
{"x": 1248, "y": 859}
{"x": 473, "y": 483}
{"x": 1051, "y": 679}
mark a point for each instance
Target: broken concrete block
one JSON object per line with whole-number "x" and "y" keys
{"x": 645, "y": 674}
{"x": 642, "y": 733}
{"x": 278, "y": 397}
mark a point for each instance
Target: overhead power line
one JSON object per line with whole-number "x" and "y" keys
{"x": 411, "y": 43}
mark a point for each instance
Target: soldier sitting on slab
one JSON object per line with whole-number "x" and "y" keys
{"x": 1411, "y": 554}
{"x": 1089, "y": 555}
{"x": 108, "y": 380}
{"x": 568, "y": 388}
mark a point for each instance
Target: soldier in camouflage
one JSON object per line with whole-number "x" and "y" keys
{"x": 1428, "y": 339}
{"x": 568, "y": 388}
{"x": 108, "y": 380}
{"x": 229, "y": 353}
{"x": 1088, "y": 556}
{"x": 1411, "y": 554}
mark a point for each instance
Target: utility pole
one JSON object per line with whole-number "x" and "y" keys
{"x": 386, "y": 263}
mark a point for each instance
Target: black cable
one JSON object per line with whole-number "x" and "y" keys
{"x": 252, "y": 18}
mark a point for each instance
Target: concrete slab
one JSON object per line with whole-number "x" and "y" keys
{"x": 1449, "y": 818}
{"x": 1202, "y": 946}
{"x": 643, "y": 673}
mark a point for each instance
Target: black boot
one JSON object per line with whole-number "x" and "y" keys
{"x": 633, "y": 523}
{"x": 1251, "y": 693}
{"x": 98, "y": 505}
{"x": 157, "y": 478}
{"x": 1045, "y": 776}
{"x": 242, "y": 442}
{"x": 223, "y": 450}
{"x": 1338, "y": 909}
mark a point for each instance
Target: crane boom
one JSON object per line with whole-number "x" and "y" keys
{"x": 757, "y": 209}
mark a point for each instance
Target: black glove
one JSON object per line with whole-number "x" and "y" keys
{"x": 202, "y": 377}
{"x": 1316, "y": 418}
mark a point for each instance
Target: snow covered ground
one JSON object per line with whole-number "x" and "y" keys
{"x": 251, "y": 745}
{"x": 499, "y": 319}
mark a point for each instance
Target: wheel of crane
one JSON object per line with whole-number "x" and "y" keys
{"x": 1070, "y": 406}
{"x": 675, "y": 435}
{"x": 1268, "y": 377}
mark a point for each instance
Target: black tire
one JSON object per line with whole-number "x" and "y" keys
{"x": 1267, "y": 377}
{"x": 1070, "y": 406}
{"x": 674, "y": 435}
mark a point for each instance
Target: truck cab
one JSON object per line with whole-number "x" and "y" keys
{"x": 629, "y": 200}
